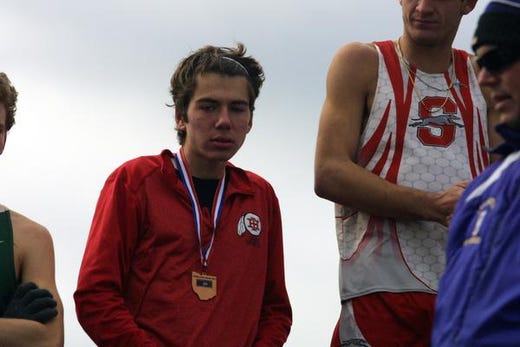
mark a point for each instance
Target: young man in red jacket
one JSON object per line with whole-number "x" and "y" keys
{"x": 186, "y": 249}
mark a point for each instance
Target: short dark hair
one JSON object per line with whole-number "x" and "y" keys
{"x": 8, "y": 97}
{"x": 228, "y": 61}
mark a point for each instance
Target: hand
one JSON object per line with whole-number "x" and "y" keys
{"x": 448, "y": 199}
{"x": 33, "y": 303}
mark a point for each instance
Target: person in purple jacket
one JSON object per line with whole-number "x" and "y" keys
{"x": 478, "y": 302}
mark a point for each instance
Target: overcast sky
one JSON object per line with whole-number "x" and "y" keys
{"x": 93, "y": 80}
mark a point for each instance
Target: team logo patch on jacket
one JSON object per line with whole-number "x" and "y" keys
{"x": 249, "y": 222}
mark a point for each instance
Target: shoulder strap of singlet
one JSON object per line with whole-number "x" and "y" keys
{"x": 389, "y": 54}
{"x": 463, "y": 69}
{"x": 402, "y": 99}
{"x": 393, "y": 67}
{"x": 7, "y": 270}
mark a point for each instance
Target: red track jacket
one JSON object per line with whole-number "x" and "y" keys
{"x": 134, "y": 286}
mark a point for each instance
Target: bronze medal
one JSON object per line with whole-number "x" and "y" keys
{"x": 204, "y": 286}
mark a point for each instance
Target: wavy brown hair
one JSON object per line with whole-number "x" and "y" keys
{"x": 228, "y": 61}
{"x": 8, "y": 97}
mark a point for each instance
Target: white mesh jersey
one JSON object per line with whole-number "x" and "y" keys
{"x": 425, "y": 138}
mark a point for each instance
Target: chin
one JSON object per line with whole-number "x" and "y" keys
{"x": 514, "y": 123}
{"x": 510, "y": 119}
{"x": 222, "y": 155}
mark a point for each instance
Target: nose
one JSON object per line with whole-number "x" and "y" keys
{"x": 223, "y": 118}
{"x": 424, "y": 6}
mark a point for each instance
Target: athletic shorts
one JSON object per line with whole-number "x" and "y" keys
{"x": 386, "y": 320}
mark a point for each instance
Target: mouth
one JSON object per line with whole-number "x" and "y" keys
{"x": 424, "y": 22}
{"x": 500, "y": 100}
{"x": 222, "y": 141}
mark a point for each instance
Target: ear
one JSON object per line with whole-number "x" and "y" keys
{"x": 3, "y": 144}
{"x": 179, "y": 122}
{"x": 250, "y": 125}
{"x": 468, "y": 6}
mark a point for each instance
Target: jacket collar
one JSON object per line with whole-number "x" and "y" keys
{"x": 511, "y": 137}
{"x": 238, "y": 179}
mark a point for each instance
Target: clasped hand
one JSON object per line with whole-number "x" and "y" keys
{"x": 31, "y": 302}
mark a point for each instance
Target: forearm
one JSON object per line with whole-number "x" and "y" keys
{"x": 348, "y": 184}
{"x": 105, "y": 318}
{"x": 23, "y": 333}
{"x": 101, "y": 307}
{"x": 274, "y": 327}
{"x": 276, "y": 315}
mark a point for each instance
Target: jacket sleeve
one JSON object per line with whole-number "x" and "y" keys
{"x": 100, "y": 305}
{"x": 276, "y": 316}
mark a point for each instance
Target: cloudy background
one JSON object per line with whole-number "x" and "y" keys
{"x": 93, "y": 81}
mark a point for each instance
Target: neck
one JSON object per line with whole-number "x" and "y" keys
{"x": 430, "y": 59}
{"x": 202, "y": 168}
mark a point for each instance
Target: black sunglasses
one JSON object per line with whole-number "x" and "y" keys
{"x": 498, "y": 59}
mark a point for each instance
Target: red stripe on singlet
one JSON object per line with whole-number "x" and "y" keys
{"x": 402, "y": 104}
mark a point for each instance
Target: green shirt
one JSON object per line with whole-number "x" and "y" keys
{"x": 7, "y": 271}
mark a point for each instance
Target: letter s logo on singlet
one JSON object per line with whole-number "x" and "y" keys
{"x": 438, "y": 130}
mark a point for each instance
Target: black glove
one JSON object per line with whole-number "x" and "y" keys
{"x": 31, "y": 302}
{"x": 2, "y": 307}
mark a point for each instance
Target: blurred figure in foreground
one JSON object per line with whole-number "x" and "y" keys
{"x": 479, "y": 296}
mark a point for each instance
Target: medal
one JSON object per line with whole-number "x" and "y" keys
{"x": 204, "y": 285}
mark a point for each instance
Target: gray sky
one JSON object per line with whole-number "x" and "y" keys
{"x": 93, "y": 81}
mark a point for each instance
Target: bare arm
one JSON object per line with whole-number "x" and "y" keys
{"x": 22, "y": 333}
{"x": 351, "y": 83}
{"x": 34, "y": 260}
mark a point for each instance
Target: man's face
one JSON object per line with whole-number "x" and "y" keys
{"x": 219, "y": 119}
{"x": 3, "y": 128}
{"x": 500, "y": 72}
{"x": 433, "y": 22}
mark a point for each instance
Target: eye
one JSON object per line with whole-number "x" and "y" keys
{"x": 208, "y": 107}
{"x": 239, "y": 109}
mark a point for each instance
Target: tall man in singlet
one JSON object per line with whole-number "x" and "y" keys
{"x": 403, "y": 129}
